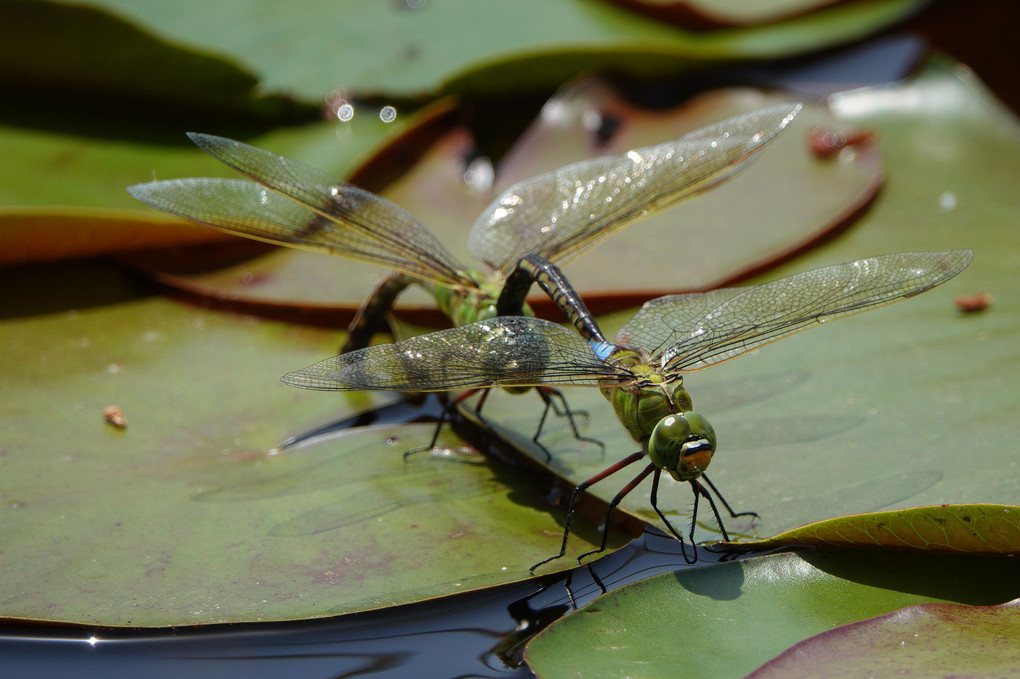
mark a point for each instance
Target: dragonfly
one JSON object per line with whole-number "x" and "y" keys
{"x": 557, "y": 215}
{"x": 641, "y": 374}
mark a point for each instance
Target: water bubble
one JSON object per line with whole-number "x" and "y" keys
{"x": 345, "y": 113}
{"x": 480, "y": 174}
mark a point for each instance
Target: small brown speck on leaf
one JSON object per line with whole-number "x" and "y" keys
{"x": 971, "y": 303}
{"x": 115, "y": 416}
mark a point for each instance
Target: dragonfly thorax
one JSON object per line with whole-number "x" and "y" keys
{"x": 464, "y": 304}
{"x": 643, "y": 405}
{"x": 683, "y": 445}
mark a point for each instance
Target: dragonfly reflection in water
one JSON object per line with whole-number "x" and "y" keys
{"x": 642, "y": 373}
{"x": 557, "y": 215}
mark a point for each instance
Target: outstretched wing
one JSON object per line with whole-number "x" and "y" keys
{"x": 296, "y": 204}
{"x": 764, "y": 313}
{"x": 505, "y": 351}
{"x": 660, "y": 321}
{"x": 560, "y": 214}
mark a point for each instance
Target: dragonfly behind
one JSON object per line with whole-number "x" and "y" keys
{"x": 557, "y": 215}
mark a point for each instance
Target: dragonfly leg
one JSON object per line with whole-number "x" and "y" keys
{"x": 700, "y": 491}
{"x": 726, "y": 504}
{"x": 444, "y": 417}
{"x": 562, "y": 410}
{"x": 572, "y": 503}
{"x": 372, "y": 314}
{"x": 549, "y": 395}
{"x": 569, "y": 580}
{"x": 654, "y": 499}
{"x": 616, "y": 501}
{"x": 541, "y": 422}
{"x": 478, "y": 411}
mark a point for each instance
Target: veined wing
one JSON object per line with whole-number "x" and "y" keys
{"x": 505, "y": 351}
{"x": 303, "y": 207}
{"x": 764, "y": 313}
{"x": 661, "y": 320}
{"x": 560, "y": 214}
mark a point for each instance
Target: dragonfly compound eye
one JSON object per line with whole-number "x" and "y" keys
{"x": 682, "y": 445}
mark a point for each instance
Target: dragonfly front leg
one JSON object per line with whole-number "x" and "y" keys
{"x": 654, "y": 501}
{"x": 699, "y": 492}
{"x": 372, "y": 314}
{"x": 572, "y": 503}
{"x": 616, "y": 501}
{"x": 726, "y": 504}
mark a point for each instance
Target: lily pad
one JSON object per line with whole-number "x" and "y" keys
{"x": 193, "y": 513}
{"x": 924, "y": 639}
{"x": 50, "y": 47}
{"x": 970, "y": 529}
{"x": 92, "y": 214}
{"x": 726, "y": 620}
{"x": 792, "y": 197}
{"x": 411, "y": 50}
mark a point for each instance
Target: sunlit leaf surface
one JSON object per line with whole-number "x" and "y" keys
{"x": 960, "y": 529}
{"x": 726, "y": 620}
{"x": 934, "y": 640}
{"x": 410, "y": 49}
{"x": 193, "y": 513}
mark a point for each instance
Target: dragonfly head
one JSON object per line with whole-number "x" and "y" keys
{"x": 683, "y": 445}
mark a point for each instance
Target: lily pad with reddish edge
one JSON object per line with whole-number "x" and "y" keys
{"x": 788, "y": 199}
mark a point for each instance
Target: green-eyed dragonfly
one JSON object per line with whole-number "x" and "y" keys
{"x": 642, "y": 373}
{"x": 557, "y": 215}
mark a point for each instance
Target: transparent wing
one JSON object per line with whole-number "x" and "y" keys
{"x": 660, "y": 320}
{"x": 762, "y": 314}
{"x": 560, "y": 214}
{"x": 505, "y": 351}
{"x": 295, "y": 204}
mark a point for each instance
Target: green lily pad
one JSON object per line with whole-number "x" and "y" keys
{"x": 58, "y": 47}
{"x": 791, "y": 196}
{"x": 92, "y": 214}
{"x": 193, "y": 513}
{"x": 971, "y": 529}
{"x": 921, "y": 640}
{"x": 726, "y": 620}
{"x": 410, "y": 50}
{"x": 917, "y": 382}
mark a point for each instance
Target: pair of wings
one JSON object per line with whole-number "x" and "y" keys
{"x": 680, "y": 333}
{"x": 557, "y": 215}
